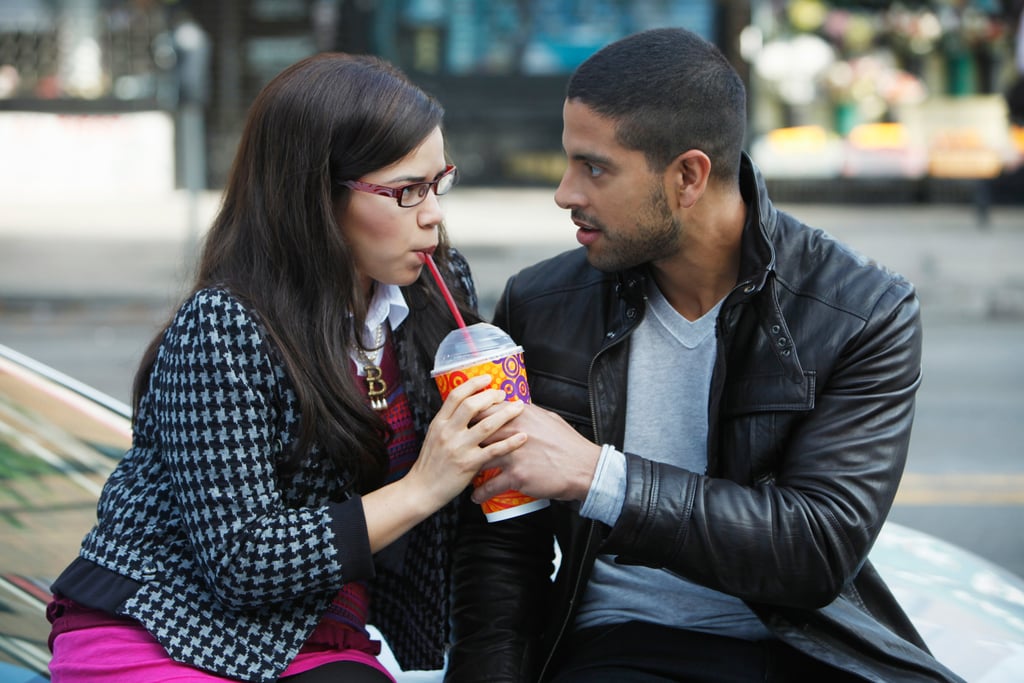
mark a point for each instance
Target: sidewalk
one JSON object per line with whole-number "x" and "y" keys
{"x": 65, "y": 249}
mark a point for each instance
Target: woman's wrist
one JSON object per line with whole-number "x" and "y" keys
{"x": 394, "y": 509}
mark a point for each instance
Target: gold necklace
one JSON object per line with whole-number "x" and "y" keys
{"x": 376, "y": 387}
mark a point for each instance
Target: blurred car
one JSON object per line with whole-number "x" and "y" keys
{"x": 59, "y": 439}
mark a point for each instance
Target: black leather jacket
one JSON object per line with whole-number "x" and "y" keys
{"x": 811, "y": 405}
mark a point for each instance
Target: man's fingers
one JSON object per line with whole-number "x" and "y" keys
{"x": 497, "y": 484}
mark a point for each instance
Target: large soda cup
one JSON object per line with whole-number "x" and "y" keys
{"x": 484, "y": 349}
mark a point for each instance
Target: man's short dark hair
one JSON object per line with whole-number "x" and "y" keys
{"x": 669, "y": 91}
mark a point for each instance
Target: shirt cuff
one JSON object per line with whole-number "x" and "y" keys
{"x": 608, "y": 488}
{"x": 351, "y": 539}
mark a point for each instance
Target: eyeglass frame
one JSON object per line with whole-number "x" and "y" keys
{"x": 397, "y": 192}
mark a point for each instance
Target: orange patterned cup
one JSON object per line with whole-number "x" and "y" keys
{"x": 483, "y": 349}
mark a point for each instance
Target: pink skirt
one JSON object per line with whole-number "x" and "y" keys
{"x": 129, "y": 654}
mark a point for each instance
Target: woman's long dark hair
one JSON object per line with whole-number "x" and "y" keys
{"x": 276, "y": 244}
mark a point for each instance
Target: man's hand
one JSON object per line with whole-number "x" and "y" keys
{"x": 555, "y": 462}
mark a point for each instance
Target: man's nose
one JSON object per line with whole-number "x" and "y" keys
{"x": 565, "y": 196}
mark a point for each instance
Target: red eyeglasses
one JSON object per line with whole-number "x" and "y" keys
{"x": 412, "y": 194}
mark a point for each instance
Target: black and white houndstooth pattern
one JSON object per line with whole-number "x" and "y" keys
{"x": 237, "y": 561}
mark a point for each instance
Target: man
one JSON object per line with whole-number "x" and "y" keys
{"x": 742, "y": 391}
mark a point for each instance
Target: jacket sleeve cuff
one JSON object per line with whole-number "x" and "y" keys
{"x": 655, "y": 513}
{"x": 351, "y": 539}
{"x": 608, "y": 488}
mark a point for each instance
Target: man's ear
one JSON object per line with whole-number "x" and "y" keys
{"x": 687, "y": 177}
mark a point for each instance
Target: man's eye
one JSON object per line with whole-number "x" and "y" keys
{"x": 594, "y": 171}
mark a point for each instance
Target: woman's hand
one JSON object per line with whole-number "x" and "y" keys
{"x": 452, "y": 453}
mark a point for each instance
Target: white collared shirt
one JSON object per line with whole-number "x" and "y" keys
{"x": 387, "y": 304}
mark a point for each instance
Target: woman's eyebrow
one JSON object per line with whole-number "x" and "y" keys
{"x": 418, "y": 178}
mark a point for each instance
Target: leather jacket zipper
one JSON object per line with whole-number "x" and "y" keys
{"x": 574, "y": 596}
{"x": 591, "y": 524}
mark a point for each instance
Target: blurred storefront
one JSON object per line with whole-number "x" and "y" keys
{"x": 86, "y": 96}
{"x": 843, "y": 89}
{"x": 902, "y": 100}
{"x": 499, "y": 66}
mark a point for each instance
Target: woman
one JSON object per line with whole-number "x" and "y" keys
{"x": 283, "y": 488}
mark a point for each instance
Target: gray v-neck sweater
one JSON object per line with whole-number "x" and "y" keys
{"x": 670, "y": 364}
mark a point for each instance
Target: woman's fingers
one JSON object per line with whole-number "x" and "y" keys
{"x": 462, "y": 438}
{"x": 464, "y": 432}
{"x": 495, "y": 419}
{"x": 472, "y": 387}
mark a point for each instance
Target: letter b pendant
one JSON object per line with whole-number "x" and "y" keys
{"x": 376, "y": 387}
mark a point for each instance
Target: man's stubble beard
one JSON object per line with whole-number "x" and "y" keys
{"x": 655, "y": 236}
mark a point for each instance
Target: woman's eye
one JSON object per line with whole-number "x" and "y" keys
{"x": 414, "y": 192}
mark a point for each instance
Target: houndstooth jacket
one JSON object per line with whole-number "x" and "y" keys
{"x": 228, "y": 561}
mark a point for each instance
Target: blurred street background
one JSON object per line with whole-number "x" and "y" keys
{"x": 890, "y": 125}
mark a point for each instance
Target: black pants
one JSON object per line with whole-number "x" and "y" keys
{"x": 339, "y": 672}
{"x": 637, "y": 652}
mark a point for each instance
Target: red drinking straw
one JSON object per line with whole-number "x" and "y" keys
{"x": 429, "y": 260}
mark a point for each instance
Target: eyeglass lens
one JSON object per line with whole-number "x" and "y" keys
{"x": 415, "y": 194}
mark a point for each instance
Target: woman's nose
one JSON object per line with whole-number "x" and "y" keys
{"x": 430, "y": 214}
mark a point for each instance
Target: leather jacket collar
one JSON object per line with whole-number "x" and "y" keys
{"x": 757, "y": 258}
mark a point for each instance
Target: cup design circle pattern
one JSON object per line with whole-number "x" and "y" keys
{"x": 508, "y": 372}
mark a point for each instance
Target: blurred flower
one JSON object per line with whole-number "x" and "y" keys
{"x": 9, "y": 80}
{"x": 913, "y": 31}
{"x": 854, "y": 32}
{"x": 793, "y": 67}
{"x": 806, "y": 15}
{"x": 874, "y": 81}
{"x": 980, "y": 29}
